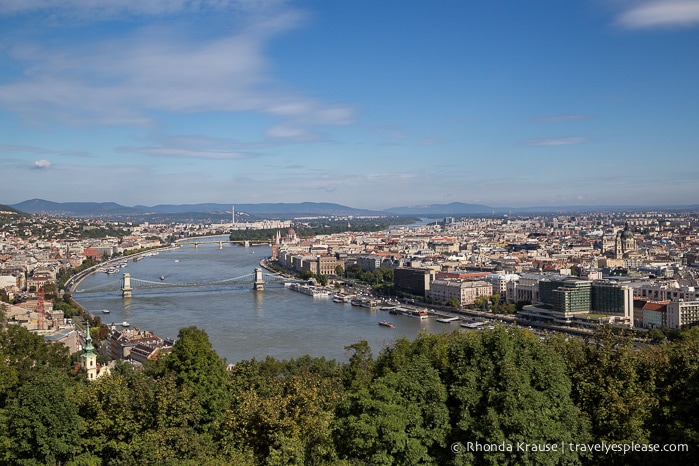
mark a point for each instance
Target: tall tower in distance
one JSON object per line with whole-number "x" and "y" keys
{"x": 233, "y": 214}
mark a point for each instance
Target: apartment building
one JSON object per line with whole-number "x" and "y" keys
{"x": 682, "y": 313}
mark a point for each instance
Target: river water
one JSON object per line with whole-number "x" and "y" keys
{"x": 241, "y": 323}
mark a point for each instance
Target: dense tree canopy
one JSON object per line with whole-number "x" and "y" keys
{"x": 459, "y": 398}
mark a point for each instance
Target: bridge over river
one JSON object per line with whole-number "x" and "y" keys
{"x": 127, "y": 284}
{"x": 197, "y": 242}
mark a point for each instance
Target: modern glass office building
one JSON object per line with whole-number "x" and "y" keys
{"x": 573, "y": 296}
{"x": 611, "y": 298}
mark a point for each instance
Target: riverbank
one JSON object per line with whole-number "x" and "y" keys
{"x": 74, "y": 281}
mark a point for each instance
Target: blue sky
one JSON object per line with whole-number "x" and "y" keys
{"x": 363, "y": 103}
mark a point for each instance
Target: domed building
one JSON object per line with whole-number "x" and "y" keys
{"x": 625, "y": 244}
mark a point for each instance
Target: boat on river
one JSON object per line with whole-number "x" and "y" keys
{"x": 447, "y": 320}
{"x": 421, "y": 314}
{"x": 385, "y": 323}
{"x": 309, "y": 290}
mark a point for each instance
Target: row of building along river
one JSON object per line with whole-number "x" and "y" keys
{"x": 241, "y": 323}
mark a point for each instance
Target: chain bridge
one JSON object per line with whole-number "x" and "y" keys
{"x": 128, "y": 284}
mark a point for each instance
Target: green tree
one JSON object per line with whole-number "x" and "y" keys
{"x": 655, "y": 334}
{"x": 673, "y": 370}
{"x": 455, "y": 303}
{"x": 481, "y": 302}
{"x": 195, "y": 363}
{"x": 507, "y": 386}
{"x": 400, "y": 418}
{"x": 360, "y": 369}
{"x": 22, "y": 353}
{"x": 322, "y": 279}
{"x": 173, "y": 434}
{"x": 282, "y": 411}
{"x": 41, "y": 422}
{"x": 115, "y": 410}
{"x": 353, "y": 271}
{"x": 609, "y": 387}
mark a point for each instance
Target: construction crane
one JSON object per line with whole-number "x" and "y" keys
{"x": 41, "y": 325}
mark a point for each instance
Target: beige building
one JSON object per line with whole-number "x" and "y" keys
{"x": 326, "y": 265}
{"x": 465, "y": 291}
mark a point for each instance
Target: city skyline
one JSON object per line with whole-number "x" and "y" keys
{"x": 362, "y": 104}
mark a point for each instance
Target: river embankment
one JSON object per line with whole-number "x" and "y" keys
{"x": 75, "y": 280}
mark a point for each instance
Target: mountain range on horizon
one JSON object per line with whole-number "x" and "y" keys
{"x": 112, "y": 209}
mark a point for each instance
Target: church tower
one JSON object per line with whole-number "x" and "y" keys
{"x": 625, "y": 244}
{"x": 89, "y": 358}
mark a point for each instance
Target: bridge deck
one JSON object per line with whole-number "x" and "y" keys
{"x": 136, "y": 283}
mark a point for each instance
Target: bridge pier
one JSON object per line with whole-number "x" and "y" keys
{"x": 126, "y": 288}
{"x": 220, "y": 244}
{"x": 247, "y": 244}
{"x": 258, "y": 283}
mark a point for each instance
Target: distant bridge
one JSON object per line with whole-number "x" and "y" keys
{"x": 196, "y": 242}
{"x": 127, "y": 284}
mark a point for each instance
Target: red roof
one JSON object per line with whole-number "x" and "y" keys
{"x": 656, "y": 306}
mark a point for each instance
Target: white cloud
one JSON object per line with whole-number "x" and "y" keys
{"x": 127, "y": 79}
{"x": 42, "y": 164}
{"x": 294, "y": 133}
{"x": 92, "y": 10}
{"x": 660, "y": 13}
{"x": 556, "y": 141}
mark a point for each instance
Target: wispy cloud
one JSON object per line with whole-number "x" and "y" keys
{"x": 560, "y": 118}
{"x": 193, "y": 147}
{"x": 180, "y": 153}
{"x": 129, "y": 77}
{"x": 14, "y": 149}
{"x": 106, "y": 9}
{"x": 660, "y": 14}
{"x": 291, "y": 132}
{"x": 556, "y": 141}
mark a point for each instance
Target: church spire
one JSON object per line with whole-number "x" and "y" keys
{"x": 88, "y": 349}
{"x": 89, "y": 357}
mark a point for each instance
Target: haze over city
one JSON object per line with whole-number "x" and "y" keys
{"x": 368, "y": 104}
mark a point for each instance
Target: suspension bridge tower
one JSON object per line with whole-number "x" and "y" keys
{"x": 258, "y": 283}
{"x": 126, "y": 288}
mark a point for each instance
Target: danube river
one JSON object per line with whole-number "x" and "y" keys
{"x": 241, "y": 323}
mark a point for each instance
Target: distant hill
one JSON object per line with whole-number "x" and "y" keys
{"x": 219, "y": 212}
{"x": 85, "y": 209}
{"x": 458, "y": 208}
{"x": 6, "y": 208}
{"x": 79, "y": 209}
{"x": 299, "y": 208}
{"x": 454, "y": 208}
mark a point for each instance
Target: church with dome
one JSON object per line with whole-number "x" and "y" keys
{"x": 625, "y": 244}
